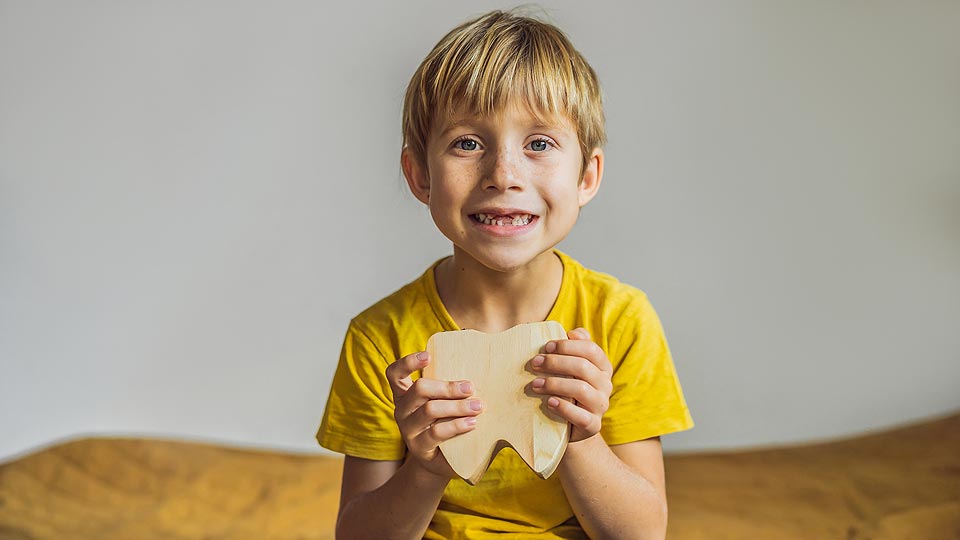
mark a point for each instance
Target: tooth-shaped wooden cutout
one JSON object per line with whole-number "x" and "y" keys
{"x": 513, "y": 415}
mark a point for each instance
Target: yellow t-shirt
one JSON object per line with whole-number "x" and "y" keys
{"x": 510, "y": 501}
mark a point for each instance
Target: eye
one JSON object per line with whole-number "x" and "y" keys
{"x": 465, "y": 144}
{"x": 540, "y": 145}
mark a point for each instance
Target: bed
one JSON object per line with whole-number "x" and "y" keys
{"x": 897, "y": 484}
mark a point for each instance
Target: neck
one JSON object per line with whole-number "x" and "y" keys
{"x": 490, "y": 301}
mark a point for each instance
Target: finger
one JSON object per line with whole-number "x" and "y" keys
{"x": 575, "y": 367}
{"x": 583, "y": 348}
{"x": 570, "y": 366}
{"x": 578, "y": 333}
{"x": 585, "y": 395}
{"x": 437, "y": 410}
{"x": 424, "y": 390}
{"x": 441, "y": 431}
{"x": 398, "y": 373}
{"x": 576, "y": 415}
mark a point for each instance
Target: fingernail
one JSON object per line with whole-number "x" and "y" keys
{"x": 471, "y": 421}
{"x": 537, "y": 360}
{"x": 422, "y": 357}
{"x": 538, "y": 383}
{"x": 466, "y": 387}
{"x": 553, "y": 402}
{"x": 551, "y": 346}
{"x": 475, "y": 405}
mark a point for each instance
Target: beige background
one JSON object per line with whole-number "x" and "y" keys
{"x": 195, "y": 197}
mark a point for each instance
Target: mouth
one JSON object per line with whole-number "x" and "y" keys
{"x": 503, "y": 220}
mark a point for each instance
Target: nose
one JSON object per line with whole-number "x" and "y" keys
{"x": 503, "y": 171}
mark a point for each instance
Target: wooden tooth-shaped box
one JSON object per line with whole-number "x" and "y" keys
{"x": 513, "y": 415}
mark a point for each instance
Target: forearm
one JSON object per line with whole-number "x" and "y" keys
{"x": 611, "y": 500}
{"x": 399, "y": 509}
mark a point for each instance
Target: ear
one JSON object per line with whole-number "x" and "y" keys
{"x": 592, "y": 174}
{"x": 416, "y": 174}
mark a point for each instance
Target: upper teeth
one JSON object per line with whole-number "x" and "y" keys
{"x": 493, "y": 219}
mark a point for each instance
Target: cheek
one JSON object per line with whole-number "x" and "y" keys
{"x": 453, "y": 184}
{"x": 565, "y": 198}
{"x": 445, "y": 207}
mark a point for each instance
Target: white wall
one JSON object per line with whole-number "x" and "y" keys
{"x": 196, "y": 197}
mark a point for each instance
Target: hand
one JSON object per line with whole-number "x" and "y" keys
{"x": 429, "y": 411}
{"x": 584, "y": 382}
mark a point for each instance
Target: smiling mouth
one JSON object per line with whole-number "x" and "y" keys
{"x": 516, "y": 220}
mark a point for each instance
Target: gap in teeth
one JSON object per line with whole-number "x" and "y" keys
{"x": 492, "y": 219}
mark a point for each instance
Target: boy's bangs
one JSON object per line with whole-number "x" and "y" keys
{"x": 485, "y": 76}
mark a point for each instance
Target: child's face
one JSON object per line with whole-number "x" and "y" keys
{"x": 505, "y": 188}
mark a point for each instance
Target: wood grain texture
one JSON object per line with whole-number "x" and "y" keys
{"x": 902, "y": 484}
{"x": 499, "y": 367}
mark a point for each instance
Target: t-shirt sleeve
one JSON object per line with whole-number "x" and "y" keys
{"x": 358, "y": 420}
{"x": 647, "y": 400}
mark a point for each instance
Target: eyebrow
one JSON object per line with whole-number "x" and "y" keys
{"x": 454, "y": 126}
{"x": 468, "y": 120}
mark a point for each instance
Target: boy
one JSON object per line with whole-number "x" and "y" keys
{"x": 503, "y": 128}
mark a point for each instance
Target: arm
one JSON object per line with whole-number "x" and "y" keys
{"x": 615, "y": 492}
{"x": 393, "y": 499}
{"x": 403, "y": 499}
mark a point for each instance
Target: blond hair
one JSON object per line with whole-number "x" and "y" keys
{"x": 486, "y": 63}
